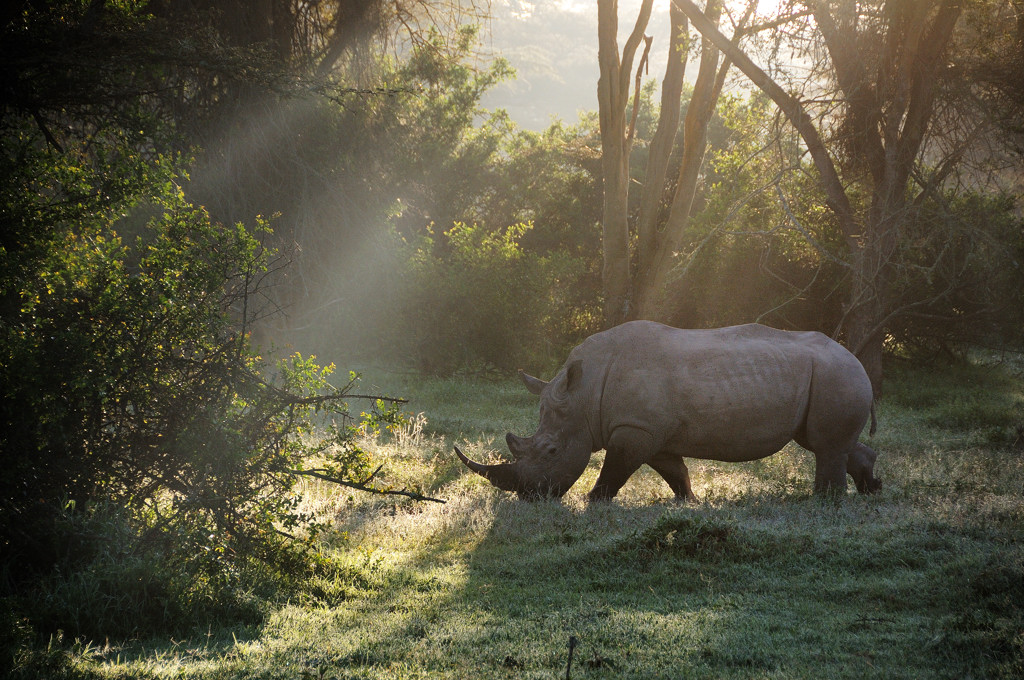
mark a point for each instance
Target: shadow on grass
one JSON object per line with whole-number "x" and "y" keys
{"x": 753, "y": 585}
{"x": 924, "y": 580}
{"x": 811, "y": 589}
{"x": 760, "y": 579}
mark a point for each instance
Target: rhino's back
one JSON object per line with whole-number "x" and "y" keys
{"x": 735, "y": 393}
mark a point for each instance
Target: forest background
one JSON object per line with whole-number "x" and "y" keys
{"x": 200, "y": 196}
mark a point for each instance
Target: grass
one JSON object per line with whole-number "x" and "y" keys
{"x": 758, "y": 580}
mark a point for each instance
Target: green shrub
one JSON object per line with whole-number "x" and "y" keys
{"x": 960, "y": 275}
{"x": 129, "y": 382}
{"x": 112, "y": 585}
{"x": 476, "y": 297}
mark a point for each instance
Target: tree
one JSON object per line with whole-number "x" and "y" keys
{"x": 127, "y": 376}
{"x": 613, "y": 93}
{"x": 891, "y": 65}
{"x": 662, "y": 220}
{"x": 346, "y": 87}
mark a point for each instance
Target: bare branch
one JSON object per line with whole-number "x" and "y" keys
{"x": 632, "y": 43}
{"x": 636, "y": 92}
{"x": 364, "y": 485}
{"x": 794, "y": 110}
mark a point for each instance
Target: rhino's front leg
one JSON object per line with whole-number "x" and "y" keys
{"x": 673, "y": 470}
{"x": 627, "y": 449}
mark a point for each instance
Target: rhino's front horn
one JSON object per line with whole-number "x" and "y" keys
{"x": 505, "y": 476}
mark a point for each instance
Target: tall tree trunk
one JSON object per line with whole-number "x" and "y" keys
{"x": 866, "y": 314}
{"x": 613, "y": 95}
{"x": 639, "y": 294}
{"x": 655, "y": 267}
{"x": 615, "y": 272}
{"x": 661, "y": 148}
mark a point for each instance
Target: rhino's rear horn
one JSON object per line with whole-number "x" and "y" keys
{"x": 505, "y": 476}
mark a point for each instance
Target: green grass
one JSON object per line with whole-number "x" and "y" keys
{"x": 758, "y": 580}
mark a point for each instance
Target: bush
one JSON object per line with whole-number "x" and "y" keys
{"x": 111, "y": 585}
{"x": 961, "y": 277}
{"x": 128, "y": 377}
{"x": 129, "y": 381}
{"x": 476, "y": 297}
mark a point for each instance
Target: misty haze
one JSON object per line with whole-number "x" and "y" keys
{"x": 553, "y": 48}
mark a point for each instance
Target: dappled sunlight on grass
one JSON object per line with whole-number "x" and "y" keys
{"x": 760, "y": 578}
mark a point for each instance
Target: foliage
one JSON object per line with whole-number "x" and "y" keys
{"x": 129, "y": 383}
{"x": 760, "y": 246}
{"x": 474, "y": 296}
{"x": 763, "y": 247}
{"x": 346, "y": 165}
{"x": 547, "y": 178}
{"x": 128, "y": 377}
{"x": 105, "y": 584}
{"x": 961, "y": 276}
{"x": 413, "y": 163}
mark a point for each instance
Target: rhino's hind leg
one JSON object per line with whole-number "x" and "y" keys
{"x": 861, "y": 465}
{"x": 859, "y": 462}
{"x": 673, "y": 470}
{"x": 829, "y": 473}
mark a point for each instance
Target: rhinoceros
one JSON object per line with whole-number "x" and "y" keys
{"x": 648, "y": 393}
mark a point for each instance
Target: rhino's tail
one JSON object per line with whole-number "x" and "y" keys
{"x": 874, "y": 421}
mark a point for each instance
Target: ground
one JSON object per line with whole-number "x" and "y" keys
{"x": 760, "y": 579}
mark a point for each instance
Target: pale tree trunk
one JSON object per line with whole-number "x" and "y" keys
{"x": 657, "y": 250}
{"x": 613, "y": 96}
{"x": 662, "y": 141}
{"x": 889, "y": 108}
{"x": 640, "y": 295}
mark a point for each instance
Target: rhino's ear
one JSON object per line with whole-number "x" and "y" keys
{"x": 574, "y": 375}
{"x": 535, "y": 385}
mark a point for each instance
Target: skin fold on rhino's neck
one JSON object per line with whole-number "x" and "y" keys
{"x": 595, "y": 412}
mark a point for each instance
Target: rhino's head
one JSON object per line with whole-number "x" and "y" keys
{"x": 549, "y": 462}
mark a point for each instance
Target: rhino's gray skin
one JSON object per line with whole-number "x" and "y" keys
{"x": 648, "y": 393}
